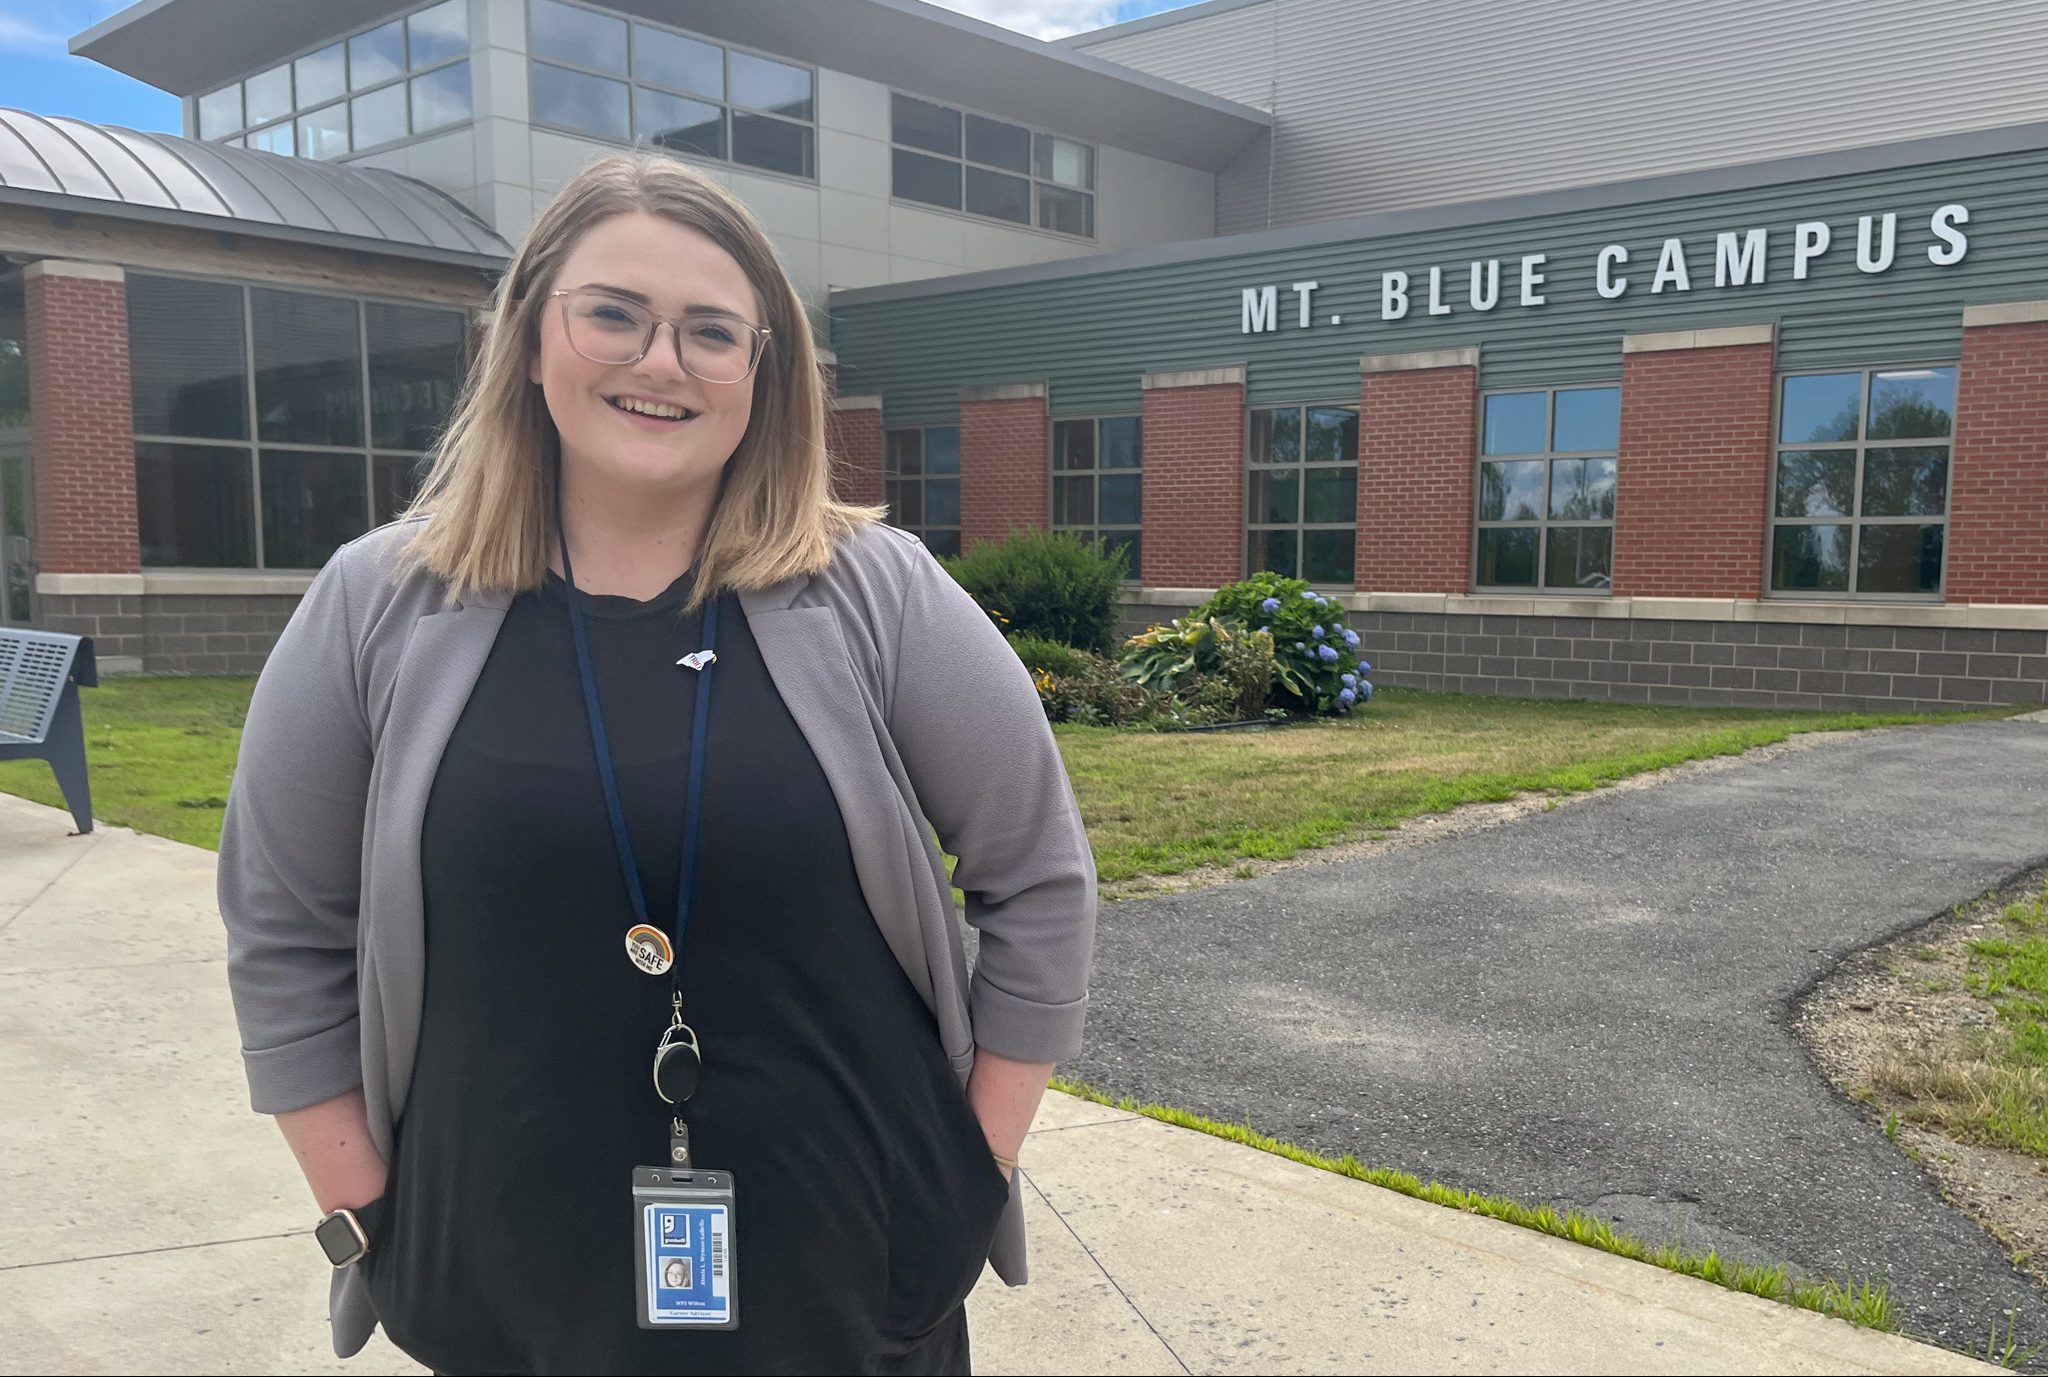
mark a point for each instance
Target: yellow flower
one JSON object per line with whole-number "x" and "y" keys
{"x": 1043, "y": 680}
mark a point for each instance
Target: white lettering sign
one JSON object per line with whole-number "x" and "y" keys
{"x": 1741, "y": 259}
{"x": 1738, "y": 268}
{"x": 1261, "y": 309}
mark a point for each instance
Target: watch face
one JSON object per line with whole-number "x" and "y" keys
{"x": 342, "y": 1238}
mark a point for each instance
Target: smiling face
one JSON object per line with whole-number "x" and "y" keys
{"x": 674, "y": 271}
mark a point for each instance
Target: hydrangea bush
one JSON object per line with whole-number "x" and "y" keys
{"x": 1316, "y": 664}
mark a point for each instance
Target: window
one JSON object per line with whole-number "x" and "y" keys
{"x": 921, "y": 484}
{"x": 1096, "y": 468}
{"x": 606, "y": 76}
{"x": 258, "y": 443}
{"x": 352, "y": 94}
{"x": 1860, "y": 488}
{"x": 988, "y": 167}
{"x": 16, "y": 579}
{"x": 1303, "y": 491}
{"x": 1546, "y": 512}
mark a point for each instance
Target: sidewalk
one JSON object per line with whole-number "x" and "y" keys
{"x": 149, "y": 1222}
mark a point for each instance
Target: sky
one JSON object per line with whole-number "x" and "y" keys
{"x": 37, "y": 73}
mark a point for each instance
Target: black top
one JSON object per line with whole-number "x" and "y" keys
{"x": 867, "y": 1197}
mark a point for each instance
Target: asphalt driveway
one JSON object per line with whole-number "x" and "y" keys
{"x": 1592, "y": 1006}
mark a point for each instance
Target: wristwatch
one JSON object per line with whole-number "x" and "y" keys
{"x": 347, "y": 1235}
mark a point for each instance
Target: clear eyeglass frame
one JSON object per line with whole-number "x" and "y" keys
{"x": 759, "y": 335}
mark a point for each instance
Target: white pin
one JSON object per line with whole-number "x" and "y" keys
{"x": 697, "y": 659}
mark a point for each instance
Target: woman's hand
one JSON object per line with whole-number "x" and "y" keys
{"x": 332, "y": 1142}
{"x": 1004, "y": 1095}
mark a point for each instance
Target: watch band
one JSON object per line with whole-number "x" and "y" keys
{"x": 348, "y": 1235}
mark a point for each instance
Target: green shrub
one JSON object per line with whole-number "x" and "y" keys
{"x": 1046, "y": 584}
{"x": 1093, "y": 693}
{"x": 1051, "y": 656}
{"x": 1302, "y": 623}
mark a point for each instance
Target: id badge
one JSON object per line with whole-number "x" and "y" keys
{"x": 687, "y": 1268}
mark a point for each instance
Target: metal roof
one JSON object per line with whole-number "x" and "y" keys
{"x": 58, "y": 163}
{"x": 188, "y": 47}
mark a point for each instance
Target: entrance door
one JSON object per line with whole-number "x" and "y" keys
{"x": 17, "y": 575}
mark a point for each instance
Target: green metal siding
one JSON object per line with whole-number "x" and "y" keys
{"x": 1090, "y": 338}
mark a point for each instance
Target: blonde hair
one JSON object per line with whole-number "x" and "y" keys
{"x": 489, "y": 501}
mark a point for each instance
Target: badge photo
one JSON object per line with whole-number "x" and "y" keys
{"x": 649, "y": 948}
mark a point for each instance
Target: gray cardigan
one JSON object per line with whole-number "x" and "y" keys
{"x": 922, "y": 718}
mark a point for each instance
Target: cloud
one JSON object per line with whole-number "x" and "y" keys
{"x": 28, "y": 38}
{"x": 1046, "y": 19}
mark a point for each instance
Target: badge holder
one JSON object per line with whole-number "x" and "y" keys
{"x": 688, "y": 1269}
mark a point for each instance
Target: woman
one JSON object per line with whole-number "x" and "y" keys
{"x": 474, "y": 887}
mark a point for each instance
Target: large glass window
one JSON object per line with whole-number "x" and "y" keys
{"x": 608, "y": 76}
{"x": 1546, "y": 490}
{"x": 921, "y": 484}
{"x": 297, "y": 108}
{"x": 989, "y": 167}
{"x": 1096, "y": 482}
{"x": 1859, "y": 501}
{"x": 273, "y": 426}
{"x": 1302, "y": 487}
{"x": 16, "y": 581}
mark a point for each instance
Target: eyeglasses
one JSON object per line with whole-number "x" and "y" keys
{"x": 710, "y": 345}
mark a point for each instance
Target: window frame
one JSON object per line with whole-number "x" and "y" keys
{"x": 922, "y": 477}
{"x": 1249, "y": 467}
{"x": 1030, "y": 176}
{"x": 633, "y": 83}
{"x": 1547, "y": 456}
{"x": 1092, "y": 532}
{"x": 1854, "y": 519}
{"x": 239, "y": 136}
{"x": 253, "y": 443}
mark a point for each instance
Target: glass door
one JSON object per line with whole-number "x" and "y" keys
{"x": 17, "y": 575}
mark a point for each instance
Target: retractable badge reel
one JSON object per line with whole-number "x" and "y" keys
{"x": 684, "y": 1249}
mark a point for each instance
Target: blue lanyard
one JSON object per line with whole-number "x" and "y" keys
{"x": 608, "y": 777}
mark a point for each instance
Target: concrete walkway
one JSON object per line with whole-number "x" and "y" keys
{"x": 150, "y": 1223}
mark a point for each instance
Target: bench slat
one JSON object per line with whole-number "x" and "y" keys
{"x": 33, "y": 668}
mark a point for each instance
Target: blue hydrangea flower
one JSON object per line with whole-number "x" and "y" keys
{"x": 1327, "y": 652}
{"x": 1317, "y": 631}
{"x": 1267, "y": 630}
{"x": 1270, "y": 606}
{"x": 1351, "y": 638}
{"x": 1299, "y": 646}
{"x": 1365, "y": 692}
{"x": 1347, "y": 697}
{"x": 1311, "y": 597}
{"x": 1348, "y": 680}
{"x": 1364, "y": 668}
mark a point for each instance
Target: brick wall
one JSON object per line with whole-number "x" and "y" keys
{"x": 1193, "y": 485}
{"x": 1416, "y": 447}
{"x": 1005, "y": 466}
{"x": 1692, "y": 482}
{"x": 81, "y": 429}
{"x": 853, "y": 439}
{"x": 1998, "y": 495}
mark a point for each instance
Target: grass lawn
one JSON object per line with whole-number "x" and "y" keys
{"x": 162, "y": 752}
{"x": 1161, "y": 804}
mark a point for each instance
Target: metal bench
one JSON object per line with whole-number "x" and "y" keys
{"x": 41, "y": 673}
